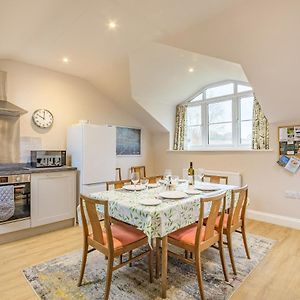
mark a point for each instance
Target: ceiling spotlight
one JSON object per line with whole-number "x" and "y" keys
{"x": 112, "y": 25}
{"x": 191, "y": 70}
{"x": 65, "y": 60}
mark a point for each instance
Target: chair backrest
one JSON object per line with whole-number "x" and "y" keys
{"x": 117, "y": 184}
{"x": 238, "y": 205}
{"x": 139, "y": 169}
{"x": 119, "y": 174}
{"x": 88, "y": 206}
{"x": 153, "y": 179}
{"x": 215, "y": 178}
{"x": 216, "y": 203}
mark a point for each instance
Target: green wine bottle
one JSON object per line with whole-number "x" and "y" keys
{"x": 191, "y": 174}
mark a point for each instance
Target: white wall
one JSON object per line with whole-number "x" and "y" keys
{"x": 70, "y": 99}
{"x": 266, "y": 179}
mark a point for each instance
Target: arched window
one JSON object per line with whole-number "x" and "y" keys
{"x": 220, "y": 115}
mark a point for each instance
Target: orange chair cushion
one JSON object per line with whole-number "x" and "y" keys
{"x": 187, "y": 235}
{"x": 123, "y": 235}
{"x": 225, "y": 221}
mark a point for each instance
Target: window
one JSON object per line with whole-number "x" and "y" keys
{"x": 220, "y": 116}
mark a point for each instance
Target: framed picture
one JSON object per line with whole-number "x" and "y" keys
{"x": 128, "y": 141}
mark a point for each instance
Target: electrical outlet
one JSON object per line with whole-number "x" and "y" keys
{"x": 292, "y": 194}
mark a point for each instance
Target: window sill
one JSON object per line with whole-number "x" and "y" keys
{"x": 222, "y": 150}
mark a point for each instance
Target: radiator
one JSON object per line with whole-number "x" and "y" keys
{"x": 234, "y": 178}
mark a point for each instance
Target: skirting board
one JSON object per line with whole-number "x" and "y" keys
{"x": 273, "y": 219}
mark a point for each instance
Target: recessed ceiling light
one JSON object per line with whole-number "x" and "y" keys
{"x": 112, "y": 24}
{"x": 65, "y": 60}
{"x": 191, "y": 70}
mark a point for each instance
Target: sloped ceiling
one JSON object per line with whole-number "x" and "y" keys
{"x": 163, "y": 76}
{"x": 41, "y": 32}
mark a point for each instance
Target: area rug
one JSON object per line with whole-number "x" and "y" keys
{"x": 57, "y": 278}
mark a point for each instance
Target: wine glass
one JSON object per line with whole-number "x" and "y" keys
{"x": 168, "y": 173}
{"x": 145, "y": 181}
{"x": 200, "y": 173}
{"x": 135, "y": 178}
{"x": 174, "y": 182}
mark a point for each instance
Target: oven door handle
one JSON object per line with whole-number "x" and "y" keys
{"x": 21, "y": 186}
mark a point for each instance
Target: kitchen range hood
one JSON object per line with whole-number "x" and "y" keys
{"x": 7, "y": 108}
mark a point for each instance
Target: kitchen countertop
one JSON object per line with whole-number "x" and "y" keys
{"x": 15, "y": 169}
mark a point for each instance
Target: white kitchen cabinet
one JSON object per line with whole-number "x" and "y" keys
{"x": 53, "y": 197}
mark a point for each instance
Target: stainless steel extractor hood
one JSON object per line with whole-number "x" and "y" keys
{"x": 7, "y": 108}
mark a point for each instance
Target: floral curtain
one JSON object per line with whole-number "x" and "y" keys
{"x": 260, "y": 130}
{"x": 179, "y": 127}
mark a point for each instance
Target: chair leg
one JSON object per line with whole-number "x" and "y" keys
{"x": 186, "y": 254}
{"x": 245, "y": 241}
{"x": 83, "y": 263}
{"x": 157, "y": 258}
{"x": 108, "y": 277}
{"x": 150, "y": 266}
{"x": 130, "y": 257}
{"x": 221, "y": 250}
{"x": 199, "y": 275}
{"x": 121, "y": 258}
{"x": 229, "y": 242}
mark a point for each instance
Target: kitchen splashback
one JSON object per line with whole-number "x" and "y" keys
{"x": 9, "y": 139}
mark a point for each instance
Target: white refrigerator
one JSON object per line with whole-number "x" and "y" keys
{"x": 92, "y": 149}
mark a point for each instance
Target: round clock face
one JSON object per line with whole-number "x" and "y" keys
{"x": 42, "y": 118}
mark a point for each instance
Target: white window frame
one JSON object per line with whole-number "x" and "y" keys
{"x": 236, "y": 115}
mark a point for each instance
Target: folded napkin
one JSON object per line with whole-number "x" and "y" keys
{"x": 7, "y": 203}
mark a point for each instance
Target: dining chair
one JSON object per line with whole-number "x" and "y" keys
{"x": 113, "y": 240}
{"x": 139, "y": 169}
{"x": 215, "y": 178}
{"x": 119, "y": 173}
{"x": 117, "y": 184}
{"x": 153, "y": 179}
{"x": 198, "y": 237}
{"x": 235, "y": 220}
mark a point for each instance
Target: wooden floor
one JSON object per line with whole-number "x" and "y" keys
{"x": 276, "y": 277}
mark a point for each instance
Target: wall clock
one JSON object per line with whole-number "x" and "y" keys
{"x": 42, "y": 118}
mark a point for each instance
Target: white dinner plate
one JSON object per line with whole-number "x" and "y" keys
{"x": 192, "y": 192}
{"x": 150, "y": 202}
{"x": 153, "y": 185}
{"x": 131, "y": 187}
{"x": 203, "y": 186}
{"x": 172, "y": 195}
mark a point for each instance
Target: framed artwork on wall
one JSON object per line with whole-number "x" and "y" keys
{"x": 128, "y": 141}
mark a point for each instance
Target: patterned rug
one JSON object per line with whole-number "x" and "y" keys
{"x": 57, "y": 278}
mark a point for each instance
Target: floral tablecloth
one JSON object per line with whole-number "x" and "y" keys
{"x": 154, "y": 221}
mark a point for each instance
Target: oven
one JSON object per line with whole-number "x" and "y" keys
{"x": 21, "y": 185}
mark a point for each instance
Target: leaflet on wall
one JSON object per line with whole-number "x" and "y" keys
{"x": 283, "y": 160}
{"x": 283, "y": 134}
{"x": 293, "y": 165}
{"x": 297, "y": 134}
{"x": 290, "y": 135}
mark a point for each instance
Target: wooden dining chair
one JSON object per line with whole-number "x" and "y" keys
{"x": 119, "y": 173}
{"x": 215, "y": 178}
{"x": 117, "y": 184}
{"x": 235, "y": 220}
{"x": 198, "y": 237}
{"x": 113, "y": 240}
{"x": 139, "y": 169}
{"x": 153, "y": 179}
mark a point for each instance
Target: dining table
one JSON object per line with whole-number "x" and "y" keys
{"x": 157, "y": 221}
